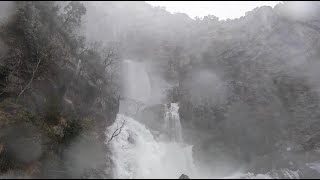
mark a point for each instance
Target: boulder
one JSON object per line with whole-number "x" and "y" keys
{"x": 153, "y": 117}
{"x": 183, "y": 176}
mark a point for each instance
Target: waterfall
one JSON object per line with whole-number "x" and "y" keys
{"x": 172, "y": 122}
{"x": 137, "y": 85}
{"x": 137, "y": 154}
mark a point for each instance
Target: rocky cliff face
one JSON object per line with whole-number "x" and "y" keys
{"x": 268, "y": 100}
{"x": 153, "y": 116}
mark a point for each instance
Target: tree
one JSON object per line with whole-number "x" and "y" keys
{"x": 117, "y": 131}
{"x": 72, "y": 16}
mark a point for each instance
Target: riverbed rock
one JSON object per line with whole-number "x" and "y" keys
{"x": 183, "y": 176}
{"x": 153, "y": 116}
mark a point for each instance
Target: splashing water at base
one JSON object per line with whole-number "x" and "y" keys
{"x": 137, "y": 154}
{"x": 276, "y": 174}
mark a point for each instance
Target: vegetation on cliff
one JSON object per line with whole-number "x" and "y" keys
{"x": 57, "y": 93}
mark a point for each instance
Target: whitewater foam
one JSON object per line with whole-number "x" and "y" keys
{"x": 136, "y": 154}
{"x": 172, "y": 122}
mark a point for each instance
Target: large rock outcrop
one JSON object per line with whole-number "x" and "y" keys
{"x": 183, "y": 176}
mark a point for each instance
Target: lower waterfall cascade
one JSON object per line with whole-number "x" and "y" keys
{"x": 136, "y": 153}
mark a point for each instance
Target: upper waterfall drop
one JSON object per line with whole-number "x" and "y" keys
{"x": 137, "y": 82}
{"x": 136, "y": 87}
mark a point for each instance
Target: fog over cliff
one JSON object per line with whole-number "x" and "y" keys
{"x": 127, "y": 90}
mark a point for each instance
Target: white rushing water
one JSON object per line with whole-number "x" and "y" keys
{"x": 137, "y": 83}
{"x": 136, "y": 87}
{"x": 277, "y": 174}
{"x": 172, "y": 122}
{"x": 137, "y": 154}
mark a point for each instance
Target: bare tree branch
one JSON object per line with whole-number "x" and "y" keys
{"x": 35, "y": 69}
{"x": 117, "y": 131}
{"x": 33, "y": 73}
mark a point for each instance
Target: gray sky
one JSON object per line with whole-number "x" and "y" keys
{"x": 221, "y": 9}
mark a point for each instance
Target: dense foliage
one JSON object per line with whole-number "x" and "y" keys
{"x": 66, "y": 85}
